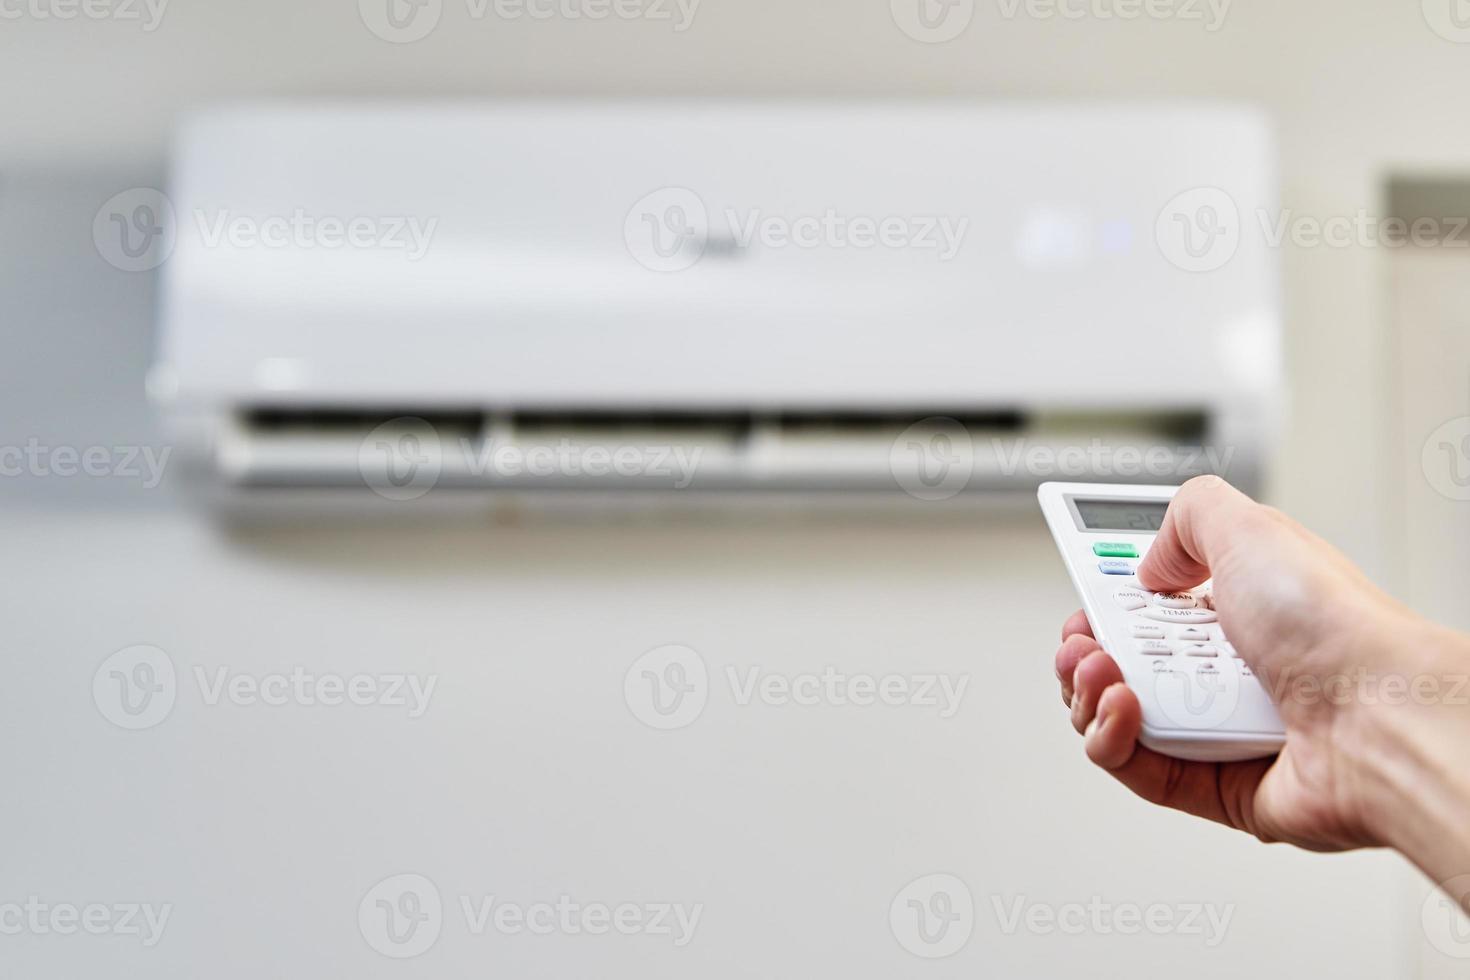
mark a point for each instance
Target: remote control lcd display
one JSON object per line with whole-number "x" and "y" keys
{"x": 1122, "y": 515}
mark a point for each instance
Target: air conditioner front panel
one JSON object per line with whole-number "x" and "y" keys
{"x": 527, "y": 291}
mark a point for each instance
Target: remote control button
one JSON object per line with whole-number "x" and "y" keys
{"x": 1113, "y": 549}
{"x": 1194, "y": 634}
{"x": 1148, "y": 632}
{"x": 1115, "y": 567}
{"x": 1191, "y": 616}
{"x": 1131, "y": 599}
{"x": 1200, "y": 650}
{"x": 1155, "y": 648}
{"x": 1174, "y": 600}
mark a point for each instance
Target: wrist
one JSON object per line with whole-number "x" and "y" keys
{"x": 1407, "y": 748}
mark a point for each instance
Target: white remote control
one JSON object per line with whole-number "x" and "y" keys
{"x": 1199, "y": 699}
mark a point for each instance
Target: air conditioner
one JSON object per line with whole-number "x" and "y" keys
{"x": 738, "y": 301}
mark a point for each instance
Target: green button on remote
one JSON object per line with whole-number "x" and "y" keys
{"x": 1111, "y": 549}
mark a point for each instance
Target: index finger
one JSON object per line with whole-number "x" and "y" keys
{"x": 1076, "y": 624}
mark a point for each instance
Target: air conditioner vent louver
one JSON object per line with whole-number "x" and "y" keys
{"x": 690, "y": 450}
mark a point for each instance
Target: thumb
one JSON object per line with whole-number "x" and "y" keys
{"x": 1196, "y": 530}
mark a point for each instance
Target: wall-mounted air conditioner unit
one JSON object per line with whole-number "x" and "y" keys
{"x": 722, "y": 299}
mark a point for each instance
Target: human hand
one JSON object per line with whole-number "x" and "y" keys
{"x": 1330, "y": 648}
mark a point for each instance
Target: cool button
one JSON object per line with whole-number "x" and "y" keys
{"x": 1115, "y": 567}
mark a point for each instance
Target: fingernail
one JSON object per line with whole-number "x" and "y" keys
{"x": 1092, "y": 726}
{"x": 1102, "y": 715}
